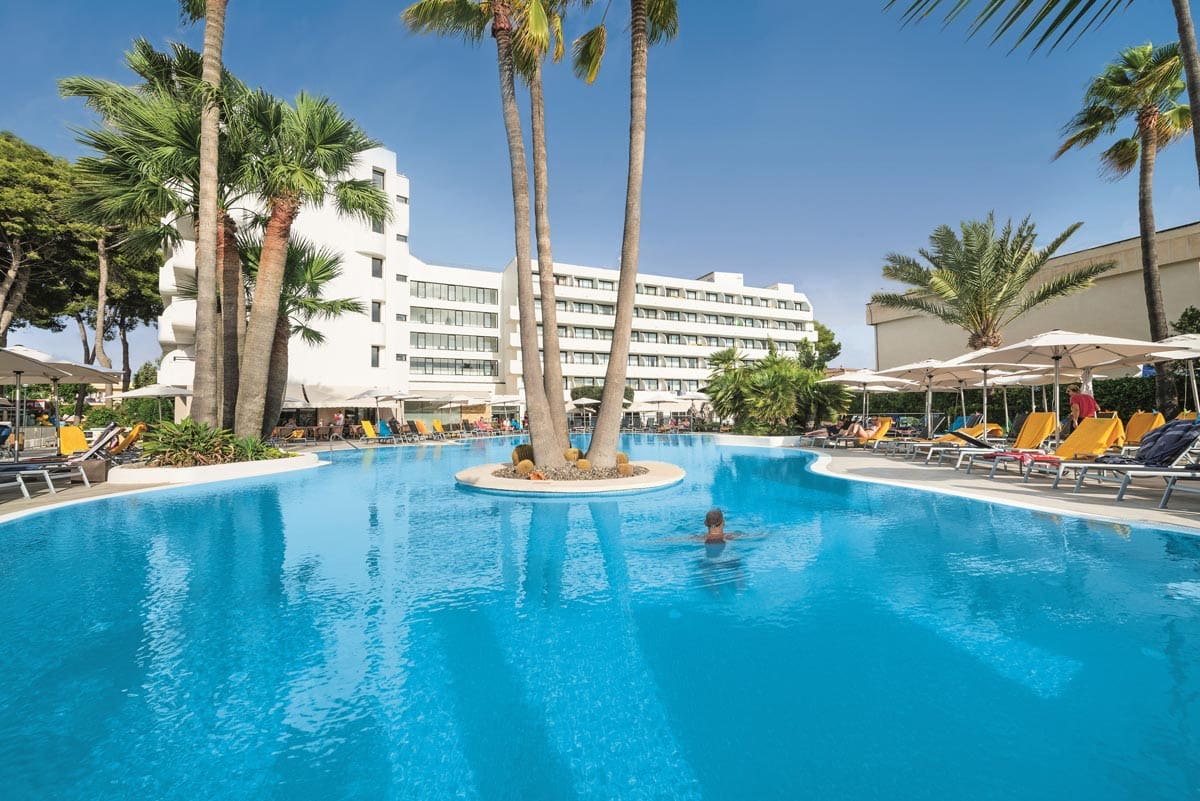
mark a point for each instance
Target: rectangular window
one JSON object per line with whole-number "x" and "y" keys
{"x": 604, "y": 308}
{"x": 605, "y": 333}
{"x": 456, "y": 317}
{"x": 402, "y": 200}
{"x": 377, "y": 177}
{"x": 401, "y": 318}
{"x": 455, "y": 292}
{"x": 727, "y": 299}
{"x": 607, "y": 286}
{"x": 403, "y": 279}
{"x": 585, "y": 283}
{"x": 467, "y": 367}
{"x": 585, "y": 308}
{"x": 585, "y": 333}
{"x": 375, "y": 351}
{"x": 401, "y": 238}
{"x": 377, "y": 226}
{"x": 376, "y": 267}
{"x": 376, "y": 311}
{"x": 691, "y": 294}
{"x": 401, "y": 357}
{"x": 426, "y": 340}
{"x": 672, "y": 293}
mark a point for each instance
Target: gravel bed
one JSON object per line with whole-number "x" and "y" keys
{"x": 569, "y": 473}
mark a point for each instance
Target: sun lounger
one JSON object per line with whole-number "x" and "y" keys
{"x": 885, "y": 423}
{"x": 1032, "y": 435}
{"x": 1092, "y": 437}
{"x": 1189, "y": 472}
{"x": 370, "y": 435}
{"x": 1164, "y": 451}
{"x": 954, "y": 439}
{"x": 123, "y": 450}
{"x": 71, "y": 440}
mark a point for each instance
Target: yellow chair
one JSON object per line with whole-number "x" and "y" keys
{"x": 71, "y": 439}
{"x": 1034, "y": 431}
{"x": 1141, "y": 424}
{"x": 437, "y": 429}
{"x": 1092, "y": 437}
{"x": 885, "y": 425}
{"x": 421, "y": 429}
{"x": 1186, "y": 416}
{"x": 129, "y": 440}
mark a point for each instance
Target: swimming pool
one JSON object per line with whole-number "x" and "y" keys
{"x": 369, "y": 631}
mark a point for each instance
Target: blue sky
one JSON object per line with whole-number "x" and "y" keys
{"x": 790, "y": 141}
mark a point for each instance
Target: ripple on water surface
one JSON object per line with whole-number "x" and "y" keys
{"x": 369, "y": 630}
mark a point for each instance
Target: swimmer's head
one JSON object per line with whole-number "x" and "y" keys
{"x": 714, "y": 519}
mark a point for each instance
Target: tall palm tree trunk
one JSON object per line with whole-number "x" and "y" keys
{"x": 552, "y": 364}
{"x": 231, "y": 313}
{"x": 1191, "y": 64}
{"x": 602, "y": 452}
{"x": 101, "y": 301}
{"x": 1148, "y": 133}
{"x": 204, "y": 384}
{"x": 126, "y": 368}
{"x": 541, "y": 426}
{"x": 264, "y": 315}
{"x": 277, "y": 375}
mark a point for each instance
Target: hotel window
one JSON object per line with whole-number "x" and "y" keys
{"x": 465, "y": 294}
{"x": 403, "y": 279}
{"x": 607, "y": 286}
{"x": 605, "y": 333}
{"x": 401, "y": 238}
{"x": 375, "y": 351}
{"x": 650, "y": 336}
{"x": 711, "y": 297}
{"x": 691, "y": 386}
{"x": 673, "y": 315}
{"x": 674, "y": 339}
{"x": 564, "y": 357}
{"x": 727, "y": 299}
{"x": 585, "y": 333}
{"x": 691, "y": 294}
{"x": 804, "y": 306}
{"x": 400, "y": 318}
{"x": 475, "y": 367}
{"x": 585, "y": 308}
{"x": 692, "y": 362}
{"x": 376, "y": 267}
{"x": 747, "y": 301}
{"x": 377, "y": 226}
{"x": 672, "y": 293}
{"x": 690, "y": 317}
{"x": 561, "y": 305}
{"x": 585, "y": 358}
{"x": 562, "y": 330}
{"x": 377, "y": 177}
{"x": 631, "y": 383}
{"x": 401, "y": 200}
{"x": 376, "y": 311}
{"x": 604, "y": 308}
{"x": 727, "y": 321}
{"x": 649, "y": 384}
{"x": 693, "y": 340}
{"x": 585, "y": 283}
{"x": 562, "y": 280}
{"x": 423, "y": 340}
{"x": 674, "y": 385}
{"x": 672, "y": 361}
{"x": 457, "y": 317}
{"x": 712, "y": 319}
{"x": 401, "y": 357}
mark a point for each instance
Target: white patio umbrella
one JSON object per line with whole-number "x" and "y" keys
{"x": 157, "y": 391}
{"x": 15, "y": 368}
{"x": 932, "y": 375}
{"x": 1184, "y": 347}
{"x": 1061, "y": 349}
{"x": 984, "y": 361}
{"x": 376, "y": 394}
{"x": 864, "y": 379}
{"x": 457, "y": 401}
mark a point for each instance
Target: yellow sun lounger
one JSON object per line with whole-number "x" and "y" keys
{"x": 71, "y": 439}
{"x": 1139, "y": 425}
{"x": 1092, "y": 437}
{"x": 1034, "y": 431}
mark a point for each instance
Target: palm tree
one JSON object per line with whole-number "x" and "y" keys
{"x": 307, "y": 272}
{"x": 1053, "y": 20}
{"x": 727, "y": 382}
{"x": 651, "y": 22}
{"x": 981, "y": 283}
{"x": 469, "y": 19}
{"x": 204, "y": 385}
{"x": 147, "y": 169}
{"x": 1144, "y": 85}
{"x": 303, "y": 150}
{"x": 531, "y": 51}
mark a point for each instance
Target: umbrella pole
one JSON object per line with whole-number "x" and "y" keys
{"x": 929, "y": 407}
{"x": 1057, "y": 413}
{"x": 17, "y": 418}
{"x": 985, "y": 424}
{"x": 1004, "y": 392}
{"x": 54, "y": 400}
{"x": 1032, "y": 398}
{"x": 962, "y": 399}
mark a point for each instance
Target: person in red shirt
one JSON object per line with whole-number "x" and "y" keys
{"x": 1082, "y": 405}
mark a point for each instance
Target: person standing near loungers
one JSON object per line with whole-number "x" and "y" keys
{"x": 1082, "y": 405}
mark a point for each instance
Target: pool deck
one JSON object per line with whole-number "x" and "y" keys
{"x": 1093, "y": 500}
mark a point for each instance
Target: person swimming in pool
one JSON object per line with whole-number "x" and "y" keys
{"x": 714, "y": 521}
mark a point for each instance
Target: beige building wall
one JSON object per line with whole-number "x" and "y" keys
{"x": 1114, "y": 306}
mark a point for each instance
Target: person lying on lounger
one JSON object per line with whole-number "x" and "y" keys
{"x": 856, "y": 430}
{"x": 835, "y": 429}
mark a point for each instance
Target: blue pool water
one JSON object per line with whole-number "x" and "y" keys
{"x": 369, "y": 631}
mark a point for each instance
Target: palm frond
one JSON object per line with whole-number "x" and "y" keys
{"x": 587, "y": 53}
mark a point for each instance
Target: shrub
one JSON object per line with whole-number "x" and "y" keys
{"x": 192, "y": 444}
{"x": 624, "y": 469}
{"x": 100, "y": 416}
{"x": 622, "y": 458}
{"x": 573, "y": 454}
{"x": 522, "y": 453}
{"x": 525, "y": 467}
{"x": 583, "y": 464}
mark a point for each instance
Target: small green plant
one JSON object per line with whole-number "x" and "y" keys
{"x": 193, "y": 444}
{"x": 522, "y": 453}
{"x": 525, "y": 467}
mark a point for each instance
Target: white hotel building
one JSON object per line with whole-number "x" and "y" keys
{"x": 435, "y": 331}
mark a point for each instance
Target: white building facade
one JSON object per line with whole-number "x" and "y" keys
{"x": 438, "y": 331}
